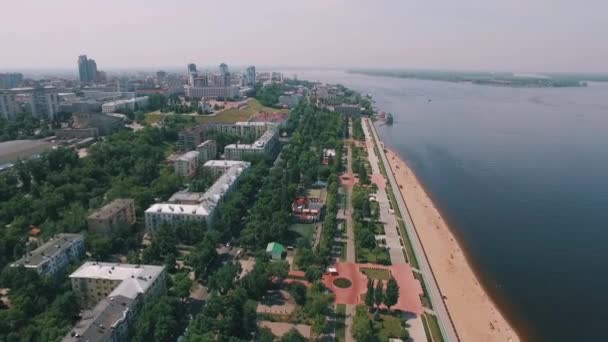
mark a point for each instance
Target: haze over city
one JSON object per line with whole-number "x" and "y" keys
{"x": 538, "y": 35}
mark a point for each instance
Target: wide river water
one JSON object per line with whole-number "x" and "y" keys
{"x": 521, "y": 174}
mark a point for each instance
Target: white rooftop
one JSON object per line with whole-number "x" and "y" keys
{"x": 135, "y": 278}
{"x": 178, "y": 209}
{"x": 225, "y": 163}
{"x": 188, "y": 156}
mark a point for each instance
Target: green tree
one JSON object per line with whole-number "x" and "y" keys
{"x": 182, "y": 285}
{"x": 369, "y": 295}
{"x": 223, "y": 279}
{"x": 392, "y": 293}
{"x": 293, "y": 336}
{"x": 363, "y": 328}
{"x": 379, "y": 293}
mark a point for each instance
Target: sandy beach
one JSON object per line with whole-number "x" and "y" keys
{"x": 476, "y": 317}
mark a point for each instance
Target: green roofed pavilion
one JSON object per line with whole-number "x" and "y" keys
{"x": 275, "y": 250}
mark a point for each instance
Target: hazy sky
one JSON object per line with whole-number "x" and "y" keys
{"x": 516, "y": 35}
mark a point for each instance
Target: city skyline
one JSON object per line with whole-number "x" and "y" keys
{"x": 471, "y": 35}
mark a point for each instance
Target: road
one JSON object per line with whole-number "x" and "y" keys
{"x": 445, "y": 322}
{"x": 350, "y": 233}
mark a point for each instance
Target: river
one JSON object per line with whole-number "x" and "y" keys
{"x": 521, "y": 174}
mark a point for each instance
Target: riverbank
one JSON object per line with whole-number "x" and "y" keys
{"x": 475, "y": 316}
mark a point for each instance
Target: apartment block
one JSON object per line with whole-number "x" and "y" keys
{"x": 116, "y": 214}
{"x": 52, "y": 257}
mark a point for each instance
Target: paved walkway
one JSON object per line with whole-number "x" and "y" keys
{"x": 350, "y": 234}
{"x": 446, "y": 325}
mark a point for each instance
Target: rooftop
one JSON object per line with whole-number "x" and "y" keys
{"x": 226, "y": 163}
{"x": 188, "y": 156}
{"x": 111, "y": 208}
{"x": 135, "y": 278}
{"x": 97, "y": 324}
{"x": 48, "y": 249}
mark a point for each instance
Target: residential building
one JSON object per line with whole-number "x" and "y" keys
{"x": 218, "y": 167}
{"x": 94, "y": 281}
{"x": 186, "y": 197}
{"x": 42, "y": 102}
{"x": 205, "y": 208}
{"x": 186, "y": 164}
{"x": 52, "y": 257}
{"x": 100, "y": 95}
{"x": 264, "y": 145}
{"x": 349, "y": 110}
{"x": 248, "y": 129}
{"x": 250, "y": 76}
{"x": 221, "y": 92}
{"x": 116, "y": 214}
{"x": 130, "y": 104}
{"x": 190, "y": 138}
{"x": 112, "y": 295}
{"x": 290, "y": 100}
{"x": 10, "y": 80}
{"x": 8, "y": 108}
{"x": 206, "y": 151}
{"x": 108, "y": 321}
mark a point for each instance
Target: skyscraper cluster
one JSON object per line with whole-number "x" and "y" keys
{"x": 87, "y": 69}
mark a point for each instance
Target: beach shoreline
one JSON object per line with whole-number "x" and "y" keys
{"x": 475, "y": 315}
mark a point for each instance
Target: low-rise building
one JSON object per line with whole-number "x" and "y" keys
{"x": 94, "y": 281}
{"x": 227, "y": 93}
{"x": 265, "y": 144}
{"x": 290, "y": 100}
{"x": 108, "y": 321}
{"x": 346, "y": 109}
{"x": 206, "y": 204}
{"x": 186, "y": 164}
{"x": 130, "y": 104}
{"x": 116, "y": 214}
{"x": 190, "y": 138}
{"x": 218, "y": 167}
{"x": 206, "y": 151}
{"x": 112, "y": 294}
{"x": 52, "y": 257}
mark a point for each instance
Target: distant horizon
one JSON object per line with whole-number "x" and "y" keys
{"x": 241, "y": 67}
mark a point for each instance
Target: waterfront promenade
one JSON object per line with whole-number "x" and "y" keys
{"x": 439, "y": 307}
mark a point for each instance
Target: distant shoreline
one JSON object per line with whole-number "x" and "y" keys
{"x": 497, "y": 79}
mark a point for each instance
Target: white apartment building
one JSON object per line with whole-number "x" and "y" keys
{"x": 206, "y": 151}
{"x": 219, "y": 167}
{"x": 112, "y": 294}
{"x": 131, "y": 104}
{"x": 229, "y": 92}
{"x": 264, "y": 144}
{"x": 94, "y": 281}
{"x": 186, "y": 164}
{"x": 205, "y": 205}
{"x": 54, "y": 255}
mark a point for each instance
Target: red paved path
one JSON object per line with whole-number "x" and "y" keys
{"x": 409, "y": 287}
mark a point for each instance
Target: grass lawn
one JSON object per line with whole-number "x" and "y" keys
{"x": 302, "y": 230}
{"x": 229, "y": 115}
{"x": 373, "y": 256}
{"x": 390, "y": 327}
{"x": 426, "y": 301}
{"x": 434, "y": 327}
{"x": 340, "y": 326}
{"x": 376, "y": 274}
